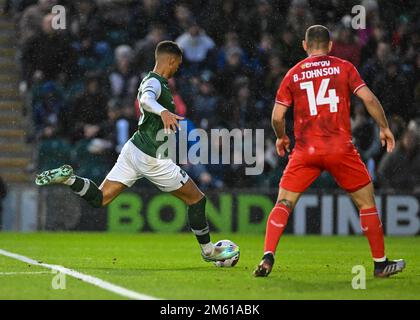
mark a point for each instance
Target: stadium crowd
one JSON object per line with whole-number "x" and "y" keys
{"x": 80, "y": 83}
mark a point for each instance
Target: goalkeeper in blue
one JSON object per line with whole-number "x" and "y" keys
{"x": 141, "y": 156}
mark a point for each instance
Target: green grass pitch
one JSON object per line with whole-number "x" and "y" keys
{"x": 169, "y": 266}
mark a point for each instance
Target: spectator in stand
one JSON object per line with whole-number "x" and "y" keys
{"x": 181, "y": 22}
{"x": 109, "y": 127}
{"x": 290, "y": 48}
{"x": 346, "y": 46}
{"x": 205, "y": 105}
{"x": 392, "y": 90}
{"x": 264, "y": 50}
{"x": 49, "y": 110}
{"x": 231, "y": 43}
{"x": 31, "y": 22}
{"x": 241, "y": 109}
{"x": 145, "y": 14}
{"x": 365, "y": 137}
{"x": 202, "y": 177}
{"x": 263, "y": 18}
{"x": 125, "y": 125}
{"x": 123, "y": 81}
{"x": 400, "y": 170}
{"x": 115, "y": 16}
{"x": 397, "y": 126}
{"x": 275, "y": 72}
{"x": 86, "y": 19}
{"x": 299, "y": 17}
{"x": 52, "y": 143}
{"x": 180, "y": 105}
{"x": 49, "y": 53}
{"x": 15, "y": 8}
{"x": 199, "y": 171}
{"x": 144, "y": 49}
{"x": 224, "y": 18}
{"x": 376, "y": 65}
{"x": 5, "y": 9}
{"x": 92, "y": 55}
{"x": 233, "y": 69}
{"x": 197, "y": 47}
{"x": 411, "y": 69}
{"x": 92, "y": 155}
{"x": 89, "y": 108}
{"x": 369, "y": 49}
{"x": 372, "y": 19}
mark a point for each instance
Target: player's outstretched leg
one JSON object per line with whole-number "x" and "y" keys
{"x": 276, "y": 223}
{"x": 196, "y": 202}
{"x": 372, "y": 228}
{"x": 83, "y": 187}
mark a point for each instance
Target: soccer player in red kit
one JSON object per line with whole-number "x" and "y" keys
{"x": 319, "y": 89}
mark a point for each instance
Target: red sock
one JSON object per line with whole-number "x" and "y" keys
{"x": 276, "y": 224}
{"x": 372, "y": 228}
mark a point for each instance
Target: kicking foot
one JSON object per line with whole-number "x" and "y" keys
{"x": 220, "y": 253}
{"x": 265, "y": 266}
{"x": 59, "y": 175}
{"x": 388, "y": 268}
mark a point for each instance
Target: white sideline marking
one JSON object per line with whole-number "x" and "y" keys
{"x": 84, "y": 277}
{"x": 23, "y": 272}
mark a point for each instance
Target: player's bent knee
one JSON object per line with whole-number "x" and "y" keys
{"x": 191, "y": 199}
{"x": 197, "y": 196}
{"x": 195, "y": 200}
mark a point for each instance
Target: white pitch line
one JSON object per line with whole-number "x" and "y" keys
{"x": 23, "y": 272}
{"x": 84, "y": 277}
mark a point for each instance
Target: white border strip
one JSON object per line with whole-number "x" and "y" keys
{"x": 84, "y": 277}
{"x": 362, "y": 85}
{"x": 282, "y": 103}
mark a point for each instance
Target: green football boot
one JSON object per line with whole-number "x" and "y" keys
{"x": 54, "y": 176}
{"x": 221, "y": 253}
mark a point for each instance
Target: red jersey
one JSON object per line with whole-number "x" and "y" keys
{"x": 319, "y": 88}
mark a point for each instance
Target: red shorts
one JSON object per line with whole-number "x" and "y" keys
{"x": 347, "y": 168}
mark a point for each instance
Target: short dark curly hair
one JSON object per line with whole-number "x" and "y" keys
{"x": 170, "y": 47}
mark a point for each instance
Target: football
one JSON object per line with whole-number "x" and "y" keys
{"x": 228, "y": 262}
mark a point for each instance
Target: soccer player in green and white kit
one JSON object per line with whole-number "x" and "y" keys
{"x": 139, "y": 156}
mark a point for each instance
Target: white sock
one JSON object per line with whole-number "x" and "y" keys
{"x": 207, "y": 248}
{"x": 379, "y": 259}
{"x": 70, "y": 180}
